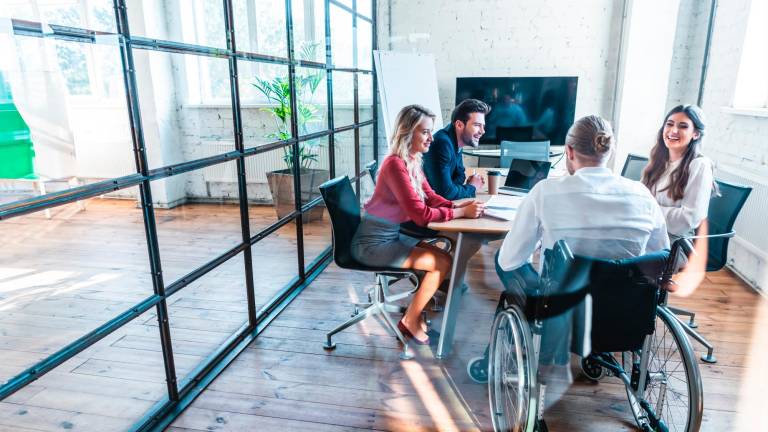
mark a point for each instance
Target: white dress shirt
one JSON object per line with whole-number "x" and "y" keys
{"x": 684, "y": 215}
{"x": 598, "y": 214}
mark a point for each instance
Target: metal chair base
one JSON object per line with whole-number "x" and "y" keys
{"x": 380, "y": 304}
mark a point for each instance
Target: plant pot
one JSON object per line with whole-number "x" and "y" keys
{"x": 281, "y": 187}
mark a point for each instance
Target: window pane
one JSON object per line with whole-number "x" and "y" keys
{"x": 63, "y": 126}
{"x": 270, "y": 188}
{"x": 205, "y": 313}
{"x": 365, "y": 96}
{"x": 186, "y": 107}
{"x": 313, "y": 155}
{"x": 197, "y": 216}
{"x": 275, "y": 263}
{"x": 343, "y": 99}
{"x": 264, "y": 84}
{"x": 199, "y": 22}
{"x": 341, "y": 37}
{"x": 317, "y": 234}
{"x": 87, "y": 268}
{"x": 364, "y": 8}
{"x": 364, "y": 45}
{"x": 344, "y": 146}
{"x": 309, "y": 30}
{"x": 366, "y": 145}
{"x": 260, "y": 26}
{"x": 108, "y": 386}
{"x": 752, "y": 83}
{"x": 312, "y": 103}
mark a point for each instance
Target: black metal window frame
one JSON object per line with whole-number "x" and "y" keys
{"x": 180, "y": 395}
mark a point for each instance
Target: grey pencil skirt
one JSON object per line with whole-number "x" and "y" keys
{"x": 379, "y": 243}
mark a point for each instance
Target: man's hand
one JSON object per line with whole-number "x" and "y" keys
{"x": 475, "y": 180}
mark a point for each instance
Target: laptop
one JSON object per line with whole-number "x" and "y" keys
{"x": 523, "y": 175}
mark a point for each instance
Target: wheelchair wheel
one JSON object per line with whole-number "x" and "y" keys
{"x": 673, "y": 387}
{"x": 477, "y": 368}
{"x": 591, "y": 369}
{"x": 512, "y": 373}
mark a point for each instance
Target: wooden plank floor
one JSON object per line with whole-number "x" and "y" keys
{"x": 62, "y": 277}
{"x": 286, "y": 378}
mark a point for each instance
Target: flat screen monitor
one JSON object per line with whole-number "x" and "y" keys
{"x": 525, "y": 108}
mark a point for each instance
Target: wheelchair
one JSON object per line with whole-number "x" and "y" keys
{"x": 634, "y": 337}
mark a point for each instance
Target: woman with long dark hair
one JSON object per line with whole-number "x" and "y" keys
{"x": 678, "y": 175}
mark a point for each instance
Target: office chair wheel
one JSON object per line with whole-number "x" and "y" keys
{"x": 329, "y": 345}
{"x": 674, "y": 388}
{"x": 592, "y": 370}
{"x": 512, "y": 373}
{"x": 477, "y": 369}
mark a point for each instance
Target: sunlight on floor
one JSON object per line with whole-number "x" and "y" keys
{"x": 429, "y": 396}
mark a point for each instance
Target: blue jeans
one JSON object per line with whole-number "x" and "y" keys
{"x": 555, "y": 332}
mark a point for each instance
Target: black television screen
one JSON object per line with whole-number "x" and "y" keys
{"x": 523, "y": 109}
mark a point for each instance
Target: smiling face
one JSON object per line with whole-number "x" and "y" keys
{"x": 469, "y": 133}
{"x": 422, "y": 136}
{"x": 678, "y": 132}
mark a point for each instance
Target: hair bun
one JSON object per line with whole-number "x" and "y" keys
{"x": 602, "y": 142}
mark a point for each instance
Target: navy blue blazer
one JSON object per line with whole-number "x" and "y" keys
{"x": 444, "y": 167}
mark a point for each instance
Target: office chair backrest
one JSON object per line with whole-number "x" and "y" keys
{"x": 514, "y": 133}
{"x": 372, "y": 167}
{"x": 344, "y": 210}
{"x": 531, "y": 150}
{"x": 633, "y": 167}
{"x": 723, "y": 210}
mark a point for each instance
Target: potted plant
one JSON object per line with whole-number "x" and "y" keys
{"x": 277, "y": 92}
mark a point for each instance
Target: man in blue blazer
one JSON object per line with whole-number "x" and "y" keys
{"x": 444, "y": 169}
{"x": 443, "y": 165}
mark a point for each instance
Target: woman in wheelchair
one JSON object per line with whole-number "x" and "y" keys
{"x": 601, "y": 216}
{"x": 402, "y": 194}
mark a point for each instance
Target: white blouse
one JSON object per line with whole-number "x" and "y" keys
{"x": 684, "y": 215}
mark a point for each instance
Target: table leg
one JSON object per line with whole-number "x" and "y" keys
{"x": 452, "y": 301}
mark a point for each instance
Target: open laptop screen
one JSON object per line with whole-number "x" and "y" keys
{"x": 524, "y": 174}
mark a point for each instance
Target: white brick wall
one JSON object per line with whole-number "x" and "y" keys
{"x": 511, "y": 38}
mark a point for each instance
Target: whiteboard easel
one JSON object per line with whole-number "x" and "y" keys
{"x": 406, "y": 79}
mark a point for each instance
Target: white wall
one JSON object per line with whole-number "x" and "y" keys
{"x": 644, "y": 75}
{"x": 511, "y": 38}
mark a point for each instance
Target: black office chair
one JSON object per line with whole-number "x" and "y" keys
{"x": 344, "y": 211}
{"x": 724, "y": 207}
{"x": 634, "y": 166}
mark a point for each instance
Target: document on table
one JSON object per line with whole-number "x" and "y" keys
{"x": 502, "y": 206}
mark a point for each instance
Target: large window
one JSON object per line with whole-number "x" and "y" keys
{"x": 159, "y": 198}
{"x": 752, "y": 81}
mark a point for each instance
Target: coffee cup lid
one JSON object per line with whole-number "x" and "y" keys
{"x": 494, "y": 173}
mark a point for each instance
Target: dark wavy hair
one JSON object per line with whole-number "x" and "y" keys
{"x": 660, "y": 155}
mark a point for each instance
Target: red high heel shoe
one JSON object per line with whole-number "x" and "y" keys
{"x": 407, "y": 333}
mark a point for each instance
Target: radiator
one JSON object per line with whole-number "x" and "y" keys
{"x": 257, "y": 167}
{"x": 750, "y": 223}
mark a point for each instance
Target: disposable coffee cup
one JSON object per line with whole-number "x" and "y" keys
{"x": 493, "y": 182}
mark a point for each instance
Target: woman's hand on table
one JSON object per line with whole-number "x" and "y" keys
{"x": 472, "y": 209}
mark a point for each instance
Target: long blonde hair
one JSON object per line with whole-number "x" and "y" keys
{"x": 407, "y": 120}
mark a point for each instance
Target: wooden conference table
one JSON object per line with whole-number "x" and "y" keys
{"x": 485, "y": 228}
